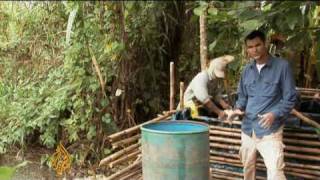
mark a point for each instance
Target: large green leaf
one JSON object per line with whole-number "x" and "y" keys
{"x": 250, "y": 25}
{"x": 213, "y": 11}
{"x": 293, "y": 17}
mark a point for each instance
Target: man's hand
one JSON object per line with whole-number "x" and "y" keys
{"x": 266, "y": 120}
{"x": 224, "y": 104}
{"x": 231, "y": 114}
{"x": 222, "y": 115}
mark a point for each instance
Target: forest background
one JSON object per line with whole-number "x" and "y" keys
{"x": 76, "y": 72}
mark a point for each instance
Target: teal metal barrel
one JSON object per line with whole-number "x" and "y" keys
{"x": 175, "y": 150}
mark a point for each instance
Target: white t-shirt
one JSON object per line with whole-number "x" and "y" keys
{"x": 198, "y": 88}
{"x": 259, "y": 67}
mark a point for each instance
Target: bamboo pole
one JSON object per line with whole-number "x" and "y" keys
{"x": 302, "y": 156}
{"x": 287, "y": 147}
{"x": 235, "y": 122}
{"x": 224, "y": 128}
{"x": 237, "y": 162}
{"x": 260, "y": 166}
{"x": 308, "y": 92}
{"x": 300, "y": 135}
{"x": 214, "y": 153}
{"x": 136, "y": 128}
{"x": 97, "y": 69}
{"x": 125, "y": 141}
{"x": 118, "y": 154}
{"x": 181, "y": 95}
{"x": 307, "y": 89}
{"x": 219, "y": 153}
{"x": 132, "y": 174}
{"x": 224, "y": 176}
{"x": 305, "y": 119}
{"x": 118, "y": 174}
{"x": 285, "y": 133}
{"x": 172, "y": 84}
{"x": 309, "y": 97}
{"x": 286, "y": 154}
{"x": 285, "y": 139}
{"x": 223, "y": 133}
{"x": 294, "y": 112}
{"x": 227, "y": 172}
{"x": 126, "y": 157}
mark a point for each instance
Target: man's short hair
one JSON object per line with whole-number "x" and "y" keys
{"x": 254, "y": 34}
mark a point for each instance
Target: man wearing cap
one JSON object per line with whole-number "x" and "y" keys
{"x": 197, "y": 93}
{"x": 266, "y": 96}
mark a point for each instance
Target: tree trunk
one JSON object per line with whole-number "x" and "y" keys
{"x": 203, "y": 41}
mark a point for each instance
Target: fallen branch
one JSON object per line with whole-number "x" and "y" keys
{"x": 97, "y": 69}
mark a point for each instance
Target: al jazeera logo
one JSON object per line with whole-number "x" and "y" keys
{"x": 60, "y": 160}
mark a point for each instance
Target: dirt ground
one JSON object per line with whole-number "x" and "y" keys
{"x": 34, "y": 170}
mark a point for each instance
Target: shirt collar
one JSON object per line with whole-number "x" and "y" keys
{"x": 268, "y": 64}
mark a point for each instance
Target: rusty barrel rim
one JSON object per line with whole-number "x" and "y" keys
{"x": 176, "y": 127}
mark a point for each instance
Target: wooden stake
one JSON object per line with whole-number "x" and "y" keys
{"x": 181, "y": 95}
{"x": 172, "y": 84}
{"x": 203, "y": 41}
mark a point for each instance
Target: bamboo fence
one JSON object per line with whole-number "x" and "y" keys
{"x": 302, "y": 151}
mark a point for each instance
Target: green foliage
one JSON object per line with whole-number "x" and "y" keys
{"x": 6, "y": 173}
{"x": 51, "y": 89}
{"x": 54, "y": 54}
{"x": 62, "y": 95}
{"x": 232, "y": 21}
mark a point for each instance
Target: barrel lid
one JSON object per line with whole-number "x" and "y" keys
{"x": 176, "y": 127}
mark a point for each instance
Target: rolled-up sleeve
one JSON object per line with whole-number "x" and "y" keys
{"x": 289, "y": 94}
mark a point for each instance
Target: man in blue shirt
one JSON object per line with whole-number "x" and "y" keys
{"x": 266, "y": 96}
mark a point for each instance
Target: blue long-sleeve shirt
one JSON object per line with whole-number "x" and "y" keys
{"x": 271, "y": 90}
